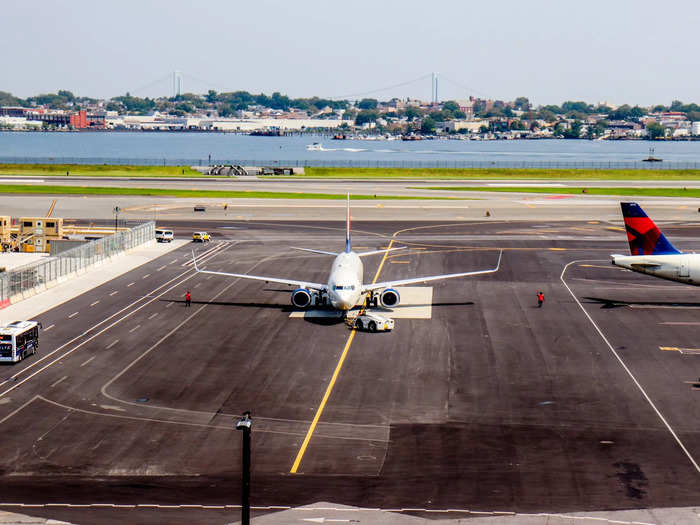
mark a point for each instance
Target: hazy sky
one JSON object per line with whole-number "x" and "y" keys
{"x": 635, "y": 51}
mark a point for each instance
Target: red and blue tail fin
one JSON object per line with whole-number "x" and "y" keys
{"x": 644, "y": 236}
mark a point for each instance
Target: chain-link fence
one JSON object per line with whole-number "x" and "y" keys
{"x": 38, "y": 275}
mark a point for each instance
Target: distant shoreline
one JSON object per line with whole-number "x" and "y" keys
{"x": 316, "y": 133}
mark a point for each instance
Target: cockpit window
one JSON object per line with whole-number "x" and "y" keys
{"x": 341, "y": 287}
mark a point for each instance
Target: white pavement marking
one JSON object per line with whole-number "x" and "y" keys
{"x": 35, "y": 363}
{"x": 147, "y": 275}
{"x": 49, "y": 327}
{"x": 161, "y": 268}
{"x": 113, "y": 293}
{"x": 152, "y": 316}
{"x": 207, "y": 254}
{"x": 527, "y": 184}
{"x": 169, "y": 304}
{"x": 629, "y": 372}
{"x": 71, "y": 316}
{"x": 86, "y": 362}
{"x": 110, "y": 345}
{"x": 112, "y": 407}
{"x": 171, "y": 332}
{"x": 15, "y": 411}
{"x": 59, "y": 381}
{"x": 96, "y": 302}
{"x": 353, "y": 511}
{"x": 130, "y": 284}
{"x": 134, "y": 328}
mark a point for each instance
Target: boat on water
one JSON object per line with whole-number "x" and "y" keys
{"x": 651, "y": 157}
{"x": 316, "y": 146}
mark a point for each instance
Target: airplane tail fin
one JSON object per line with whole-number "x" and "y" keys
{"x": 348, "y": 246}
{"x": 644, "y": 236}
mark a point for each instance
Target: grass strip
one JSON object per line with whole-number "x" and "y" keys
{"x": 98, "y": 170}
{"x": 33, "y": 189}
{"x": 635, "y": 192}
{"x": 501, "y": 173}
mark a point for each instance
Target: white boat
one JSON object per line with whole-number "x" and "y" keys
{"x": 316, "y": 146}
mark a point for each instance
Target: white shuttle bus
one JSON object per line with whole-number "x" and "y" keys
{"x": 18, "y": 340}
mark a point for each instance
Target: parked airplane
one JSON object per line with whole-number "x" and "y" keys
{"x": 652, "y": 253}
{"x": 345, "y": 288}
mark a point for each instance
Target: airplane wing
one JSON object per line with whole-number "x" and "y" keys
{"x": 417, "y": 280}
{"x": 290, "y": 282}
{"x": 313, "y": 251}
{"x": 362, "y": 254}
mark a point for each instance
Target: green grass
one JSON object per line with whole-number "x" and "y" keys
{"x": 499, "y": 173}
{"x": 98, "y": 170}
{"x": 166, "y": 192}
{"x": 636, "y": 192}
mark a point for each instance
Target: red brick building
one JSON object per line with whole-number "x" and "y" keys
{"x": 79, "y": 120}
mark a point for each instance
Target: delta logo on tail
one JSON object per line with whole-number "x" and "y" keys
{"x": 644, "y": 236}
{"x": 651, "y": 253}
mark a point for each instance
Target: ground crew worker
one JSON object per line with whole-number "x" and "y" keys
{"x": 540, "y": 299}
{"x": 188, "y": 298}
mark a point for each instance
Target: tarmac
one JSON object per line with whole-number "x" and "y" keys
{"x": 485, "y": 410}
{"x": 463, "y": 206}
{"x": 92, "y": 277}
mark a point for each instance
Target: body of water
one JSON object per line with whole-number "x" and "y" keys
{"x": 199, "y": 148}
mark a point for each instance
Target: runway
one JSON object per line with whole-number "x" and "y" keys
{"x": 489, "y": 403}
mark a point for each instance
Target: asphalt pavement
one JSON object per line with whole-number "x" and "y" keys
{"x": 492, "y": 405}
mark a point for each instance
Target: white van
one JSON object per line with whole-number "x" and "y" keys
{"x": 164, "y": 235}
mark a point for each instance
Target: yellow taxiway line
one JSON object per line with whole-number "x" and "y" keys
{"x": 331, "y": 384}
{"x": 691, "y": 351}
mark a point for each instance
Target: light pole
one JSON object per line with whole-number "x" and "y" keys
{"x": 244, "y": 424}
{"x": 117, "y": 209}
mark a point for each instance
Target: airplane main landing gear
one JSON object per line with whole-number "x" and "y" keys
{"x": 372, "y": 299}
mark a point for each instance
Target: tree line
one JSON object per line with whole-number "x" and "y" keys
{"x": 361, "y": 112}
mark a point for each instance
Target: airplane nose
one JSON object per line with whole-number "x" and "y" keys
{"x": 344, "y": 302}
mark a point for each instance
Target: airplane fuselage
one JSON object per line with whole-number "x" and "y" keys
{"x": 345, "y": 281}
{"x": 682, "y": 268}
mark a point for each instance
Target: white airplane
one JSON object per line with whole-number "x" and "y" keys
{"x": 345, "y": 289}
{"x": 652, "y": 253}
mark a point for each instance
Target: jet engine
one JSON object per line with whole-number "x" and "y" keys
{"x": 301, "y": 298}
{"x": 389, "y": 298}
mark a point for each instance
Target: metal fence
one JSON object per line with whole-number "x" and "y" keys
{"x": 356, "y": 163}
{"x": 36, "y": 276}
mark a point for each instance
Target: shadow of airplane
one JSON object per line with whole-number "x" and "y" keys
{"x": 381, "y": 309}
{"x": 280, "y": 307}
{"x": 284, "y": 308}
{"x": 290, "y": 308}
{"x": 615, "y": 303}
